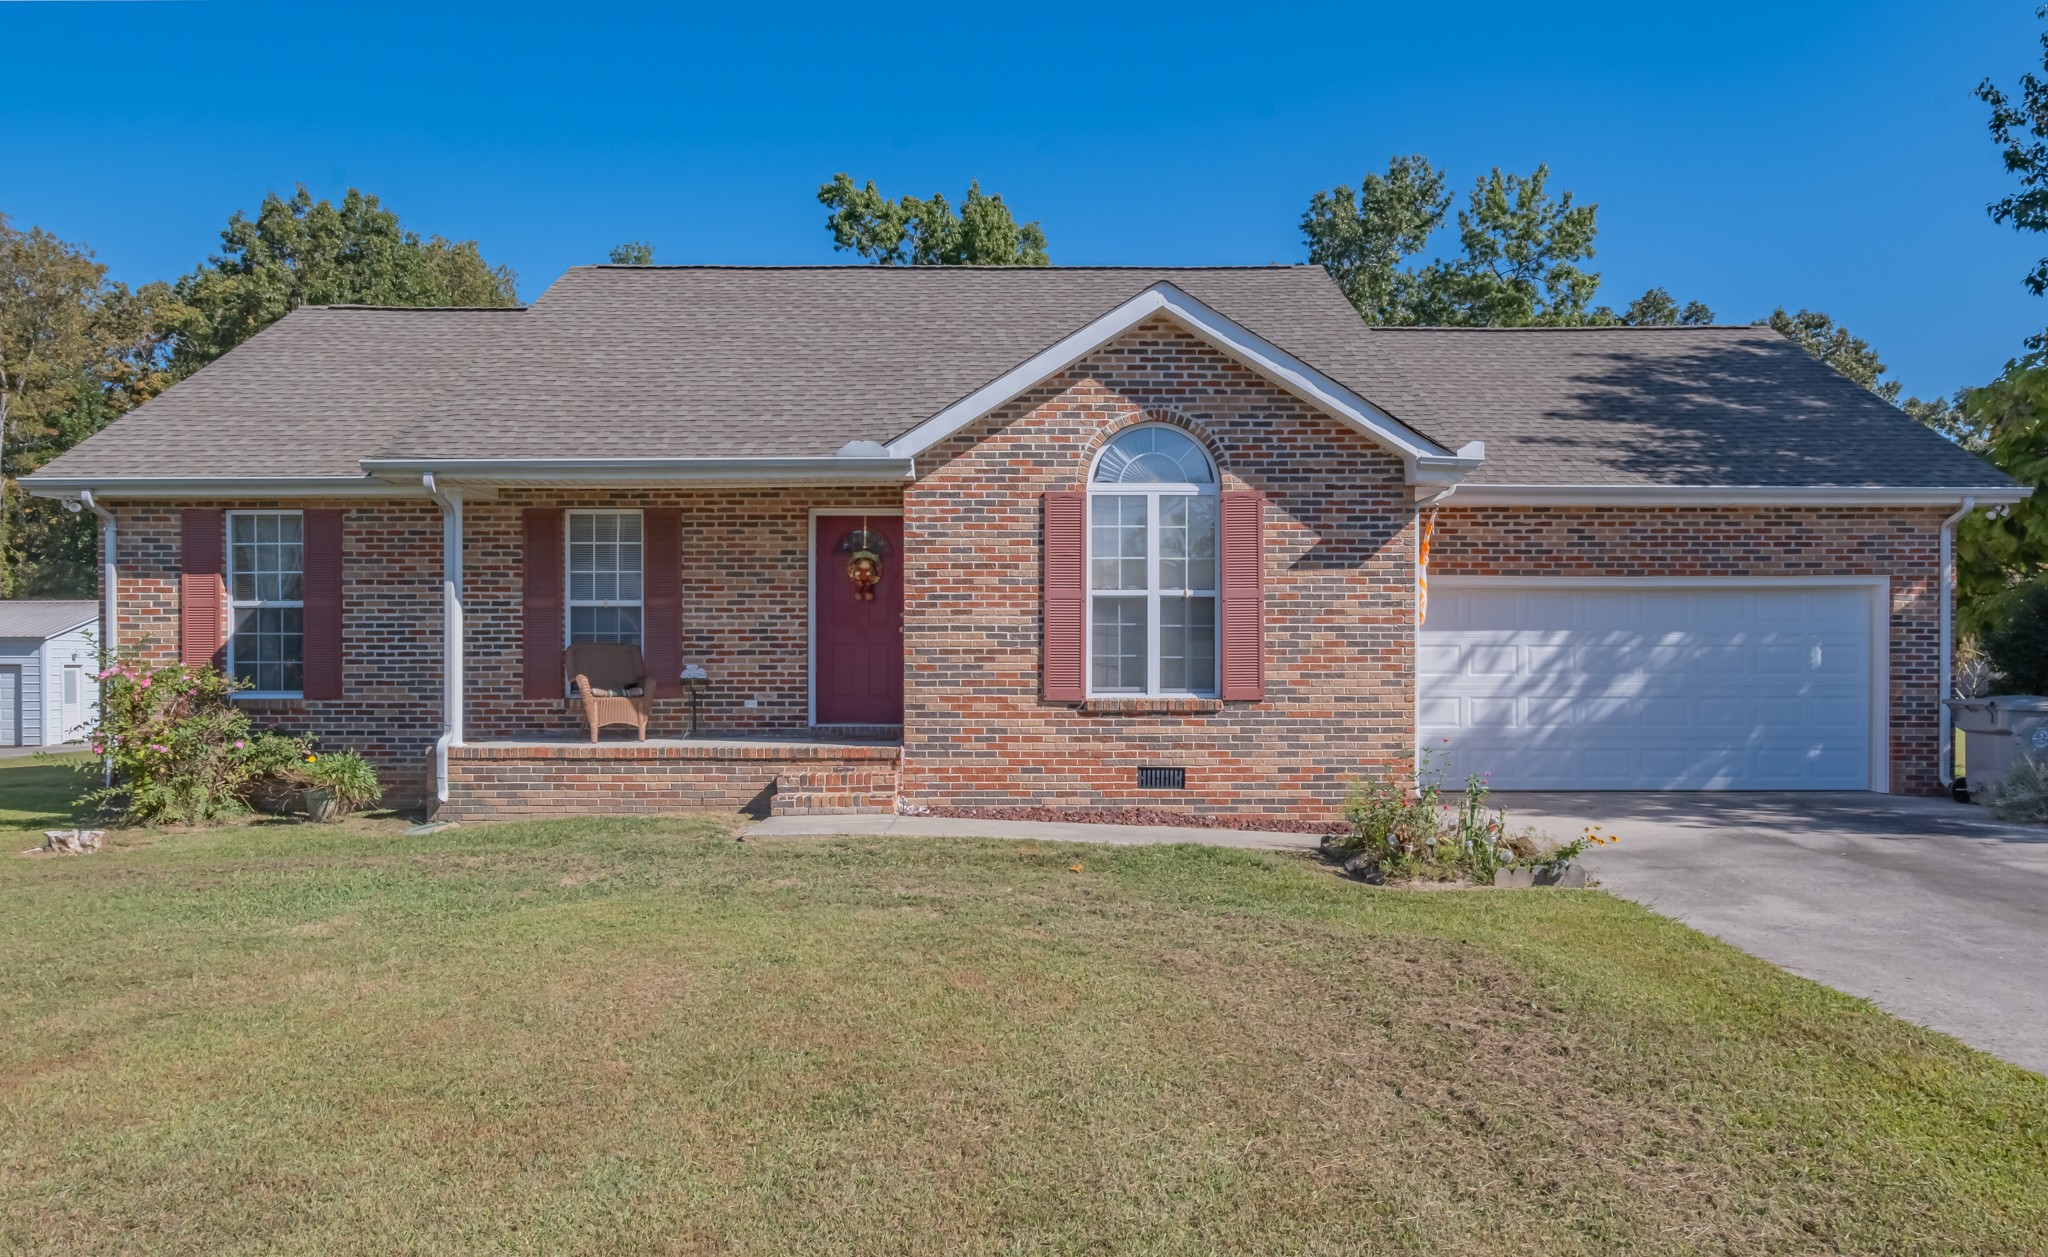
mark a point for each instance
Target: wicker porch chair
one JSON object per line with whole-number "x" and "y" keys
{"x": 610, "y": 680}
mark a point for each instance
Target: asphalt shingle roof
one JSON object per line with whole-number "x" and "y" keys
{"x": 797, "y": 361}
{"x": 1663, "y": 406}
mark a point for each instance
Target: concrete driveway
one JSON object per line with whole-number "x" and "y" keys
{"x": 1927, "y": 907}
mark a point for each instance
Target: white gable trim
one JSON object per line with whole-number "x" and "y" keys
{"x": 1426, "y": 461}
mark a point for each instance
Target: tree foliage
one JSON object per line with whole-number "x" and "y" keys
{"x": 1365, "y": 238}
{"x": 75, "y": 351}
{"x": 1996, "y": 550}
{"x": 927, "y": 232}
{"x": 1658, "y": 308}
{"x": 2020, "y": 128}
{"x": 299, "y": 251}
{"x": 632, "y": 253}
{"x": 1520, "y": 260}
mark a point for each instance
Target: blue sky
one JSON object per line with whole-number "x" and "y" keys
{"x": 1800, "y": 153}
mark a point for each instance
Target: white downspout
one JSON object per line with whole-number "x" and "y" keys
{"x": 450, "y": 501}
{"x": 109, "y": 610}
{"x": 1415, "y": 557}
{"x": 1948, "y": 615}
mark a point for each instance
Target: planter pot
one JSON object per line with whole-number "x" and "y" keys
{"x": 320, "y": 806}
{"x": 1570, "y": 877}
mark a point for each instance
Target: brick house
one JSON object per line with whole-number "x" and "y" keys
{"x": 1196, "y": 539}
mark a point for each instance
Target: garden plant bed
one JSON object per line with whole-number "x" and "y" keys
{"x": 1134, "y": 816}
{"x": 635, "y": 1035}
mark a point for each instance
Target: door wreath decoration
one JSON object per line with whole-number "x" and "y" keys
{"x": 866, "y": 551}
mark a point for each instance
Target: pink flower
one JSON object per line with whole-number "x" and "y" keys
{"x": 97, "y": 750}
{"x": 145, "y": 685}
{"x": 239, "y": 744}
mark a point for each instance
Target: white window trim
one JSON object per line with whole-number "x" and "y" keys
{"x": 234, "y": 604}
{"x": 1152, "y": 593}
{"x": 569, "y": 604}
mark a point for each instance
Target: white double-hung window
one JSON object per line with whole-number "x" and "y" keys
{"x": 1152, "y": 512}
{"x": 266, "y": 644}
{"x": 606, "y": 571}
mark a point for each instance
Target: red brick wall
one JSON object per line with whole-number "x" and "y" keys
{"x": 390, "y": 706}
{"x": 510, "y": 782}
{"x": 746, "y": 605}
{"x": 745, "y": 612}
{"x": 1339, "y": 596}
{"x": 1775, "y": 542}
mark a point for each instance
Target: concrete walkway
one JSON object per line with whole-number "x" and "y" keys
{"x": 1930, "y": 908}
{"x": 1041, "y": 831}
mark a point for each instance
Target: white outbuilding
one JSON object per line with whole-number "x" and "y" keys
{"x": 48, "y": 693}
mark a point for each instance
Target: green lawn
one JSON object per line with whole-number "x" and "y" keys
{"x": 639, "y": 1036}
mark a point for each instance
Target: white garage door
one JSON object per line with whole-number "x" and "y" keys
{"x": 1615, "y": 687}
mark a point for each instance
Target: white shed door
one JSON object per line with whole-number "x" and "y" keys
{"x": 10, "y": 705}
{"x": 1649, "y": 688}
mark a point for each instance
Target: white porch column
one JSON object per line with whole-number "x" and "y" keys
{"x": 450, "y": 501}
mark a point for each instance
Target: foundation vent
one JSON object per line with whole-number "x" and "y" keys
{"x": 1162, "y": 779}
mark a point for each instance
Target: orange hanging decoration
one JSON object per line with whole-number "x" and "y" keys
{"x": 864, "y": 569}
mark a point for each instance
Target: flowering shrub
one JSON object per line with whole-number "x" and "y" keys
{"x": 176, "y": 745}
{"x": 182, "y": 753}
{"x": 1403, "y": 830}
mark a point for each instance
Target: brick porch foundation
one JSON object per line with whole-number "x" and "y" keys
{"x": 514, "y": 780}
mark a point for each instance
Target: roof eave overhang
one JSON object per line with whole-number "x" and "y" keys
{"x": 838, "y": 469}
{"x": 1733, "y": 495}
{"x": 129, "y": 488}
{"x": 1425, "y": 461}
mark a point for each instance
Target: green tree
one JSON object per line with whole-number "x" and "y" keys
{"x": 1833, "y": 344}
{"x": 1519, "y": 261}
{"x": 1520, "y": 265}
{"x": 2021, "y": 131}
{"x": 75, "y": 351}
{"x": 1996, "y": 550}
{"x": 300, "y": 251}
{"x": 1364, "y": 239}
{"x": 927, "y": 232}
{"x": 632, "y": 253}
{"x": 1658, "y": 308}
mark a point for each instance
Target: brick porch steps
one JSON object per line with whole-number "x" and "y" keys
{"x": 758, "y": 776}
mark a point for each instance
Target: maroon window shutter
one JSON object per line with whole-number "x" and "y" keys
{"x": 663, "y": 602}
{"x": 322, "y": 593}
{"x": 1065, "y": 517}
{"x": 202, "y": 601}
{"x": 541, "y": 600}
{"x": 1243, "y": 593}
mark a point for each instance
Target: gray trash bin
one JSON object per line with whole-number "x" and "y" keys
{"x": 1999, "y": 730}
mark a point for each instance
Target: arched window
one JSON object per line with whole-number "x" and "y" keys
{"x": 1152, "y": 566}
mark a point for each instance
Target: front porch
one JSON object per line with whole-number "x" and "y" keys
{"x": 760, "y": 776}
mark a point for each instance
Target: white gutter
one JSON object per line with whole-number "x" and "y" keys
{"x": 125, "y": 487}
{"x": 1731, "y": 495}
{"x": 883, "y": 469}
{"x": 450, "y": 501}
{"x": 1948, "y": 615}
{"x": 109, "y": 611}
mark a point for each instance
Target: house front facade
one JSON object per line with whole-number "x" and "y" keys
{"x": 1195, "y": 540}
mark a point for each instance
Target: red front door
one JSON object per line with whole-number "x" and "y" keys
{"x": 859, "y": 624}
